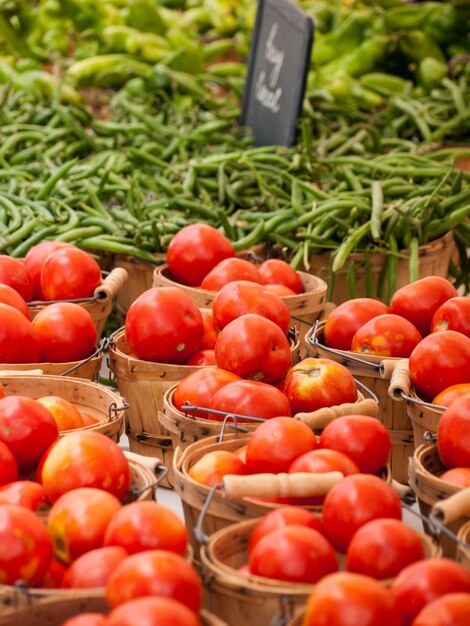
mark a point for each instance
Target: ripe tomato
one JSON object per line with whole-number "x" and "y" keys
{"x": 155, "y": 573}
{"x": 66, "y": 415}
{"x": 25, "y": 547}
{"x": 242, "y": 297}
{"x": 439, "y": 361}
{"x": 18, "y": 341}
{"x": 93, "y": 569}
{"x": 213, "y": 466}
{"x": 382, "y": 548}
{"x": 241, "y": 452}
{"x": 151, "y": 612}
{"x": 35, "y": 258}
{"x": 248, "y": 397}
{"x": 280, "y": 290}
{"x": 419, "y": 301}
{"x": 89, "y": 420}
{"x": 14, "y": 273}
{"x": 87, "y": 619}
{"x": 459, "y": 476}
{"x": 2, "y": 391}
{"x": 422, "y": 582}
{"x": 297, "y": 554}
{"x": 254, "y": 347}
{"x": 280, "y": 518}
{"x": 446, "y": 397}
{"x": 147, "y": 526}
{"x": 194, "y": 251}
{"x": 211, "y": 332}
{"x": 164, "y": 325}
{"x": 203, "y": 358}
{"x": 25, "y": 493}
{"x": 278, "y": 272}
{"x": 69, "y": 273}
{"x": 316, "y": 383}
{"x": 229, "y": 270}
{"x": 54, "y": 575}
{"x": 343, "y": 323}
{"x": 199, "y": 387}
{"x": 454, "y": 314}
{"x": 85, "y": 459}
{"x": 353, "y": 502}
{"x": 346, "y": 599}
{"x": 8, "y": 295}
{"x": 8, "y": 466}
{"x": 66, "y": 332}
{"x": 275, "y": 444}
{"x": 452, "y": 609}
{"x": 27, "y": 428}
{"x": 363, "y": 439}
{"x": 453, "y": 434}
{"x": 386, "y": 335}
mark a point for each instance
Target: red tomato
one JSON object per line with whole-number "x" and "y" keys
{"x": 241, "y": 452}
{"x": 280, "y": 290}
{"x": 54, "y": 575}
{"x": 278, "y": 272}
{"x": 89, "y": 420}
{"x": 66, "y": 415}
{"x": 343, "y": 323}
{"x": 382, "y": 548}
{"x": 363, "y": 439}
{"x": 203, "y": 358}
{"x": 87, "y": 619}
{"x": 459, "y": 476}
{"x": 349, "y": 600}
{"x": 25, "y": 547}
{"x": 280, "y": 518}
{"x": 194, "y": 251}
{"x": 85, "y": 459}
{"x": 422, "y": 582}
{"x": 241, "y": 297}
{"x": 2, "y": 391}
{"x": 35, "y": 258}
{"x": 14, "y": 273}
{"x": 439, "y": 361}
{"x": 446, "y": 397}
{"x": 229, "y": 270}
{"x": 155, "y": 573}
{"x": 386, "y": 335}
{"x": 199, "y": 388}
{"x": 453, "y": 434}
{"x": 211, "y": 332}
{"x": 316, "y": 383}
{"x": 353, "y": 502}
{"x": 8, "y": 466}
{"x": 69, "y": 273}
{"x": 66, "y": 332}
{"x": 419, "y": 301}
{"x": 151, "y": 612}
{"x": 25, "y": 493}
{"x": 93, "y": 569}
{"x": 147, "y": 526}
{"x": 254, "y": 347}
{"x": 213, "y": 466}
{"x": 164, "y": 325}
{"x": 18, "y": 341}
{"x": 27, "y": 428}
{"x": 248, "y": 397}
{"x": 8, "y": 295}
{"x": 454, "y": 314}
{"x": 452, "y": 609}
{"x": 297, "y": 554}
{"x": 78, "y": 520}
{"x": 275, "y": 444}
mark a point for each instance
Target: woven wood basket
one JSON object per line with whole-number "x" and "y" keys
{"x": 297, "y": 619}
{"x": 375, "y": 372}
{"x": 463, "y": 553}
{"x": 88, "y": 368}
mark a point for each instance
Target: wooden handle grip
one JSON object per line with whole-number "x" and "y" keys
{"x": 400, "y": 382}
{"x": 111, "y": 284}
{"x": 321, "y": 418}
{"x": 452, "y": 508}
{"x": 35, "y": 372}
{"x": 151, "y": 462}
{"x": 301, "y": 485}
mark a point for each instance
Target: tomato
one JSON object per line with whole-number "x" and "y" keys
{"x": 386, "y": 335}
{"x": 254, "y": 347}
{"x": 213, "y": 466}
{"x": 18, "y": 341}
{"x": 241, "y": 297}
{"x": 199, "y": 388}
{"x": 194, "y": 251}
{"x": 446, "y": 397}
{"x": 439, "y": 361}
{"x": 155, "y": 573}
{"x": 280, "y": 518}
{"x": 278, "y": 272}
{"x": 8, "y": 465}
{"x": 2, "y": 391}
{"x": 85, "y": 459}
{"x": 69, "y": 273}
{"x": 316, "y": 383}
{"x": 66, "y": 415}
{"x": 459, "y": 476}
{"x": 89, "y": 420}
{"x": 280, "y": 290}
{"x": 66, "y": 332}
{"x": 343, "y": 323}
{"x": 8, "y": 295}
{"x": 454, "y": 314}
{"x": 353, "y": 502}
{"x": 54, "y": 575}
{"x": 27, "y": 428}
{"x": 211, "y": 332}
{"x": 248, "y": 397}
{"x": 452, "y": 609}
{"x": 422, "y": 582}
{"x": 93, "y": 569}
{"x": 25, "y": 547}
{"x": 275, "y": 444}
{"x": 241, "y": 452}
{"x": 25, "y": 493}
{"x": 87, "y": 619}
{"x": 164, "y": 325}
{"x": 35, "y": 258}
{"x": 14, "y": 274}
{"x": 203, "y": 358}
{"x": 363, "y": 439}
{"x": 453, "y": 434}
{"x": 228, "y": 271}
{"x": 147, "y": 526}
{"x": 152, "y": 612}
{"x": 346, "y": 599}
{"x": 419, "y": 301}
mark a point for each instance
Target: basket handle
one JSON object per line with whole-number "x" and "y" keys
{"x": 400, "y": 381}
{"x": 299, "y": 485}
{"x": 151, "y": 462}
{"x": 453, "y": 507}
{"x": 111, "y": 284}
{"x": 322, "y": 417}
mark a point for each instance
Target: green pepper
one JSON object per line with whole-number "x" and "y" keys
{"x": 412, "y": 16}
{"x": 431, "y": 72}
{"x": 192, "y": 59}
{"x": 385, "y": 84}
{"x": 145, "y": 16}
{"x": 341, "y": 40}
{"x": 361, "y": 60}
{"x": 441, "y": 25}
{"x": 417, "y": 45}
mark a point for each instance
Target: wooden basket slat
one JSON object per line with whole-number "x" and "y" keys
{"x": 463, "y": 554}
{"x": 88, "y": 370}
{"x": 423, "y": 419}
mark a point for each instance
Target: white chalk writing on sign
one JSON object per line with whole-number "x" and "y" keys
{"x": 267, "y": 94}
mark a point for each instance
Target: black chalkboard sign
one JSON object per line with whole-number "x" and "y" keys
{"x": 277, "y": 72}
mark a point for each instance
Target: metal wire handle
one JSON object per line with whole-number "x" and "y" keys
{"x": 187, "y": 407}
{"x": 104, "y": 344}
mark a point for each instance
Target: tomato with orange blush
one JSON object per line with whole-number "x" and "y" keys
{"x": 211, "y": 332}
{"x": 8, "y": 466}
{"x": 228, "y": 271}
{"x": 213, "y": 466}
{"x": 14, "y": 274}
{"x": 278, "y": 272}
{"x": 386, "y": 335}
{"x": 18, "y": 340}
{"x": 280, "y": 518}
{"x": 452, "y": 609}
{"x": 35, "y": 259}
{"x": 87, "y": 619}
{"x": 459, "y": 476}
{"x": 280, "y": 290}
{"x": 152, "y": 612}
{"x": 9, "y": 296}
{"x": 54, "y": 576}
{"x": 93, "y": 569}
{"x": 446, "y": 397}
{"x": 203, "y": 358}
{"x": 344, "y": 321}
{"x": 66, "y": 415}
{"x": 25, "y": 493}
{"x": 454, "y": 314}
{"x": 199, "y": 388}
{"x": 453, "y": 434}
{"x": 250, "y": 398}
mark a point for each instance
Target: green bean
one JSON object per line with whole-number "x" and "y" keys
{"x": 76, "y": 234}
{"x": 392, "y": 268}
{"x": 351, "y": 280}
{"x": 250, "y": 239}
{"x": 51, "y": 182}
{"x": 98, "y": 243}
{"x": 19, "y": 234}
{"x": 414, "y": 259}
{"x": 37, "y": 237}
{"x": 377, "y": 210}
